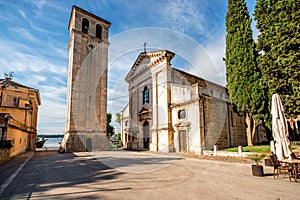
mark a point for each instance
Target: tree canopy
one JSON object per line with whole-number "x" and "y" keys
{"x": 278, "y": 22}
{"x": 240, "y": 55}
{"x": 243, "y": 75}
{"x": 118, "y": 118}
{"x": 109, "y": 129}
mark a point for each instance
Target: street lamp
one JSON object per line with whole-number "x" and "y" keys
{"x": 7, "y": 117}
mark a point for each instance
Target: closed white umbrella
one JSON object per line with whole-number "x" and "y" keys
{"x": 280, "y": 129}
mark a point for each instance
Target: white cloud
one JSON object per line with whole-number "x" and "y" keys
{"x": 215, "y": 69}
{"x": 51, "y": 118}
{"x": 183, "y": 15}
{"x": 24, "y": 33}
{"x": 59, "y": 50}
{"x": 39, "y": 78}
{"x": 54, "y": 93}
{"x": 22, "y": 13}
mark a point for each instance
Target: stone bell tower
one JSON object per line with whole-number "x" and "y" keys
{"x": 87, "y": 83}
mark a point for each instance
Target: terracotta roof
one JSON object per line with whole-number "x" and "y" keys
{"x": 9, "y": 82}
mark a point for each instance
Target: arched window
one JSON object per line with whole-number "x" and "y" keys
{"x": 85, "y": 25}
{"x": 146, "y": 95}
{"x": 98, "y": 31}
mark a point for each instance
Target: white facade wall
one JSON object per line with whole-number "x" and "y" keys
{"x": 172, "y": 90}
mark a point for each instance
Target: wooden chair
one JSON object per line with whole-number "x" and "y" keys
{"x": 293, "y": 156}
{"x": 280, "y": 167}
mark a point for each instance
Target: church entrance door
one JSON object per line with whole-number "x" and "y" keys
{"x": 146, "y": 138}
{"x": 182, "y": 141}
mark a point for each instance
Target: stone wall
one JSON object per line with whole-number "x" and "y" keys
{"x": 223, "y": 127}
{"x": 87, "y": 142}
{"x": 4, "y": 154}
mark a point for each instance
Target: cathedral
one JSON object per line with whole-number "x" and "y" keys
{"x": 170, "y": 110}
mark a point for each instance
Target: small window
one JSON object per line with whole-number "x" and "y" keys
{"x": 85, "y": 25}
{"x": 146, "y": 95}
{"x": 126, "y": 123}
{"x": 98, "y": 31}
{"x": 181, "y": 114}
{"x": 16, "y": 102}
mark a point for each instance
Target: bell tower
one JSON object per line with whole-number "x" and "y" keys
{"x": 87, "y": 82}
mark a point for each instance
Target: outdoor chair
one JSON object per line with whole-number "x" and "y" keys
{"x": 280, "y": 167}
{"x": 296, "y": 171}
{"x": 293, "y": 156}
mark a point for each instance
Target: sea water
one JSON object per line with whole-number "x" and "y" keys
{"x": 52, "y": 142}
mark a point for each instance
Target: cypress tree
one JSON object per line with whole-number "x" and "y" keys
{"x": 242, "y": 74}
{"x": 279, "y": 50}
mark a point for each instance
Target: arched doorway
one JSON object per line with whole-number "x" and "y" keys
{"x": 146, "y": 137}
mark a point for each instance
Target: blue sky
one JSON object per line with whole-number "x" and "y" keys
{"x": 34, "y": 37}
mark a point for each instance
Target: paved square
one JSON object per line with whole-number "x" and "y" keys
{"x": 142, "y": 175}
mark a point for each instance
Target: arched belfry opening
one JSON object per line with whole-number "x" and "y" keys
{"x": 98, "y": 31}
{"x": 85, "y": 25}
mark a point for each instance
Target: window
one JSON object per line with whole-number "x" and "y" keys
{"x": 126, "y": 123}
{"x": 146, "y": 95}
{"x": 98, "y": 31}
{"x": 181, "y": 114}
{"x": 16, "y": 102}
{"x": 85, "y": 25}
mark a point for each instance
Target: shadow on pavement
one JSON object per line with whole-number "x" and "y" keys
{"x": 57, "y": 175}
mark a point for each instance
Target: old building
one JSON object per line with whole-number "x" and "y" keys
{"x": 18, "y": 116}
{"x": 170, "y": 110}
{"x": 124, "y": 126}
{"x": 87, "y": 82}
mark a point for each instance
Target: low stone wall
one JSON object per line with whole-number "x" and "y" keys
{"x": 4, "y": 154}
{"x": 215, "y": 152}
{"x": 226, "y": 153}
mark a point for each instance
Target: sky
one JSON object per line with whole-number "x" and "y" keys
{"x": 34, "y": 37}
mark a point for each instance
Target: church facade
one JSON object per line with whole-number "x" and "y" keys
{"x": 170, "y": 110}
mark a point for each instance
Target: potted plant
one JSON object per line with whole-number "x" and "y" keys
{"x": 257, "y": 170}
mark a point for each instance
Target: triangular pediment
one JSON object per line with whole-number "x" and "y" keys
{"x": 182, "y": 124}
{"x": 144, "y": 110}
{"x": 145, "y": 114}
{"x": 146, "y": 60}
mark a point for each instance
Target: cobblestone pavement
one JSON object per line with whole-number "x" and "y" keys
{"x": 143, "y": 175}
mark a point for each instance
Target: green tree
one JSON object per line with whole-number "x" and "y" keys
{"x": 109, "y": 128}
{"x": 118, "y": 137}
{"x": 242, "y": 73}
{"x": 118, "y": 118}
{"x": 279, "y": 50}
